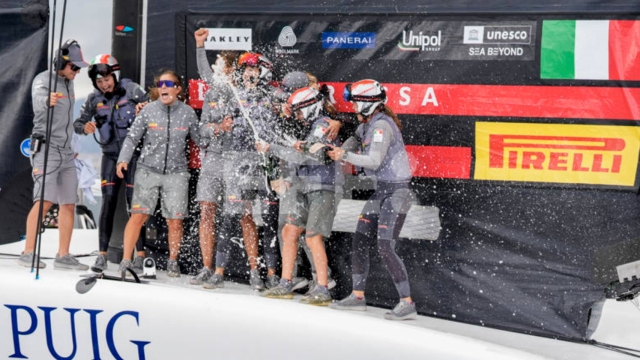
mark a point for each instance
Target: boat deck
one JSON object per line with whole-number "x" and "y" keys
{"x": 185, "y": 321}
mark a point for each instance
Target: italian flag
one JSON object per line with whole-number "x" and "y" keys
{"x": 590, "y": 49}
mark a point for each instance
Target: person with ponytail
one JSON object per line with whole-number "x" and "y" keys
{"x": 382, "y": 156}
{"x": 162, "y": 168}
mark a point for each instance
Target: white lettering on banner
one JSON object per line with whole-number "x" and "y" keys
{"x": 201, "y": 87}
{"x": 420, "y": 41}
{"x": 332, "y": 91}
{"x": 507, "y": 35}
{"x": 404, "y": 94}
{"x": 349, "y": 40}
{"x": 228, "y": 39}
{"x": 496, "y": 51}
{"x": 430, "y": 97}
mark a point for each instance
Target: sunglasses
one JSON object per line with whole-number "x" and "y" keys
{"x": 346, "y": 93}
{"x": 167, "y": 83}
{"x": 74, "y": 67}
{"x": 102, "y": 69}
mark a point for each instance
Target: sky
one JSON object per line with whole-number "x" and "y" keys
{"x": 88, "y": 22}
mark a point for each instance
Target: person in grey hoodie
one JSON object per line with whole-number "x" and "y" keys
{"x": 61, "y": 180}
{"x": 162, "y": 167}
{"x": 210, "y": 188}
{"x": 381, "y": 153}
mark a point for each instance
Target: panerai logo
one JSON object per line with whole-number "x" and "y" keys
{"x": 228, "y": 39}
{"x": 348, "y": 40}
{"x": 25, "y": 321}
{"x": 412, "y": 41}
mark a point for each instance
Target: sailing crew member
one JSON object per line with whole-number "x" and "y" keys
{"x": 210, "y": 188}
{"x": 383, "y": 157}
{"x": 162, "y": 168}
{"x": 61, "y": 179}
{"x": 252, "y": 118}
{"x": 313, "y": 191}
{"x": 113, "y": 107}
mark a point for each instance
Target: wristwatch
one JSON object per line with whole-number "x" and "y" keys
{"x": 344, "y": 156}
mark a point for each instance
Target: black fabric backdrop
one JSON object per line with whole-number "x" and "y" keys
{"x": 23, "y": 50}
{"x": 517, "y": 256}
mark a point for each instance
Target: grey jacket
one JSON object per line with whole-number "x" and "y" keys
{"x": 311, "y": 169}
{"x": 381, "y": 150}
{"x": 62, "y": 122}
{"x": 164, "y": 129}
{"x": 211, "y": 137}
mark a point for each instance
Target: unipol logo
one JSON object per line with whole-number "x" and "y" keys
{"x": 420, "y": 41}
{"x": 287, "y": 37}
{"x": 26, "y": 320}
{"x": 559, "y": 153}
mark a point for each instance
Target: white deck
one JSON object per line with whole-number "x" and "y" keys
{"x": 182, "y": 321}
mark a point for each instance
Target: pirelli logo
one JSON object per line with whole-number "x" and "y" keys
{"x": 557, "y": 153}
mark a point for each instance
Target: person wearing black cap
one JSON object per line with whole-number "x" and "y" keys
{"x": 61, "y": 179}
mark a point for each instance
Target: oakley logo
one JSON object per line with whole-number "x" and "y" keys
{"x": 228, "y": 39}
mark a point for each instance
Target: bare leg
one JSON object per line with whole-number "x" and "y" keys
{"x": 250, "y": 235}
{"x": 175, "y": 237}
{"x": 290, "y": 234}
{"x": 32, "y": 224}
{"x": 132, "y": 233}
{"x": 319, "y": 257}
{"x": 207, "y": 231}
{"x": 66, "y": 216}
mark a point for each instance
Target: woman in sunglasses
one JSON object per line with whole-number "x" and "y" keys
{"x": 112, "y": 105}
{"x": 382, "y": 155}
{"x": 162, "y": 168}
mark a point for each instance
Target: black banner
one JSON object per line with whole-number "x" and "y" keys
{"x": 23, "y": 48}
{"x": 535, "y": 176}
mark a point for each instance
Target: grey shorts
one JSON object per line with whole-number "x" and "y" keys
{"x": 173, "y": 187}
{"x": 242, "y": 180}
{"x": 209, "y": 189}
{"x": 61, "y": 181}
{"x": 210, "y": 183}
{"x": 314, "y": 212}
